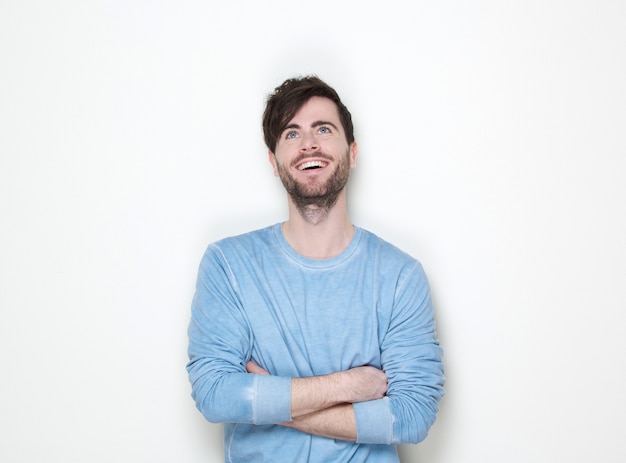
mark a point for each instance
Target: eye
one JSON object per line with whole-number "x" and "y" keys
{"x": 291, "y": 134}
{"x": 324, "y": 129}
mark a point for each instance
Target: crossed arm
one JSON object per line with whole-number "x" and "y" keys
{"x": 322, "y": 405}
{"x": 333, "y": 405}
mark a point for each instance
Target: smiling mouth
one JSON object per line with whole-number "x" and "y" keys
{"x": 312, "y": 165}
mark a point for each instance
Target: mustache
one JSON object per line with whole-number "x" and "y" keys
{"x": 316, "y": 155}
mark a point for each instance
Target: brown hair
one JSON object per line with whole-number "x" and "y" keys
{"x": 287, "y": 100}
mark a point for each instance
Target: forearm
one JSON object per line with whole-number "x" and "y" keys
{"x": 239, "y": 397}
{"x": 336, "y": 422}
{"x": 368, "y": 422}
{"x": 316, "y": 393}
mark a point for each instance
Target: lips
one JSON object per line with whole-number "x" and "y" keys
{"x": 311, "y": 161}
{"x": 312, "y": 165}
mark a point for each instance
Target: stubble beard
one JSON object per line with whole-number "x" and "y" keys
{"x": 314, "y": 199}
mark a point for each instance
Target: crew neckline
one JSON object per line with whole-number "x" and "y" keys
{"x": 317, "y": 263}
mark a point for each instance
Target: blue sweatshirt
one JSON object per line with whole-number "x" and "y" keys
{"x": 257, "y": 299}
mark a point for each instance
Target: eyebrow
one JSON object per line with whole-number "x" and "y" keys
{"x": 318, "y": 123}
{"x": 313, "y": 125}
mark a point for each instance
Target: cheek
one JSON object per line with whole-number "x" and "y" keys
{"x": 277, "y": 167}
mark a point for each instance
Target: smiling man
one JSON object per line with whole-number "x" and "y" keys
{"x": 313, "y": 340}
{"x": 314, "y": 160}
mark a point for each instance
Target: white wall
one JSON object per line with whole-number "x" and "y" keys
{"x": 493, "y": 149}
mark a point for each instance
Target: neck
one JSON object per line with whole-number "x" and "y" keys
{"x": 319, "y": 233}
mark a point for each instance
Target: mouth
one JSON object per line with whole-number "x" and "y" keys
{"x": 312, "y": 165}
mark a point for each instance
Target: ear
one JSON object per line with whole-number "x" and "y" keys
{"x": 272, "y": 158}
{"x": 354, "y": 152}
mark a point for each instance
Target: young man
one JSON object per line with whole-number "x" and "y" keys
{"x": 313, "y": 340}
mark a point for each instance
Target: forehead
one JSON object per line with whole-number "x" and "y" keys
{"x": 315, "y": 109}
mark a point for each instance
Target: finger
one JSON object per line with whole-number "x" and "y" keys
{"x": 252, "y": 367}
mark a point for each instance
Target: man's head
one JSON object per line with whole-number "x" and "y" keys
{"x": 289, "y": 97}
{"x": 311, "y": 144}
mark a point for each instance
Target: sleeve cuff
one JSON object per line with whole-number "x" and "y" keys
{"x": 374, "y": 422}
{"x": 272, "y": 400}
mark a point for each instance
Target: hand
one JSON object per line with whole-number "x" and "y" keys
{"x": 364, "y": 383}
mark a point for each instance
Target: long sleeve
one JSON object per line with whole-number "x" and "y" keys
{"x": 257, "y": 299}
{"x": 220, "y": 343}
{"x": 411, "y": 358}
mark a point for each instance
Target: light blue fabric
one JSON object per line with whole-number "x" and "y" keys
{"x": 256, "y": 298}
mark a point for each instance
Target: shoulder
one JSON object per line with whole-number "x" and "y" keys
{"x": 391, "y": 262}
{"x": 241, "y": 246}
{"x": 379, "y": 246}
{"x": 251, "y": 238}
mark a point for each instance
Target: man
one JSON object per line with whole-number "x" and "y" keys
{"x": 313, "y": 340}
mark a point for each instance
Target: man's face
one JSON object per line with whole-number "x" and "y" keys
{"x": 313, "y": 158}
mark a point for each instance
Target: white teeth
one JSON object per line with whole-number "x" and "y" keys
{"x": 310, "y": 164}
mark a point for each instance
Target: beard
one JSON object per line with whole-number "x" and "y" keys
{"x": 313, "y": 196}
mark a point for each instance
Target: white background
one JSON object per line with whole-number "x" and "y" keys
{"x": 492, "y": 148}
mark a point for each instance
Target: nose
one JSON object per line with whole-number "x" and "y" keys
{"x": 309, "y": 143}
